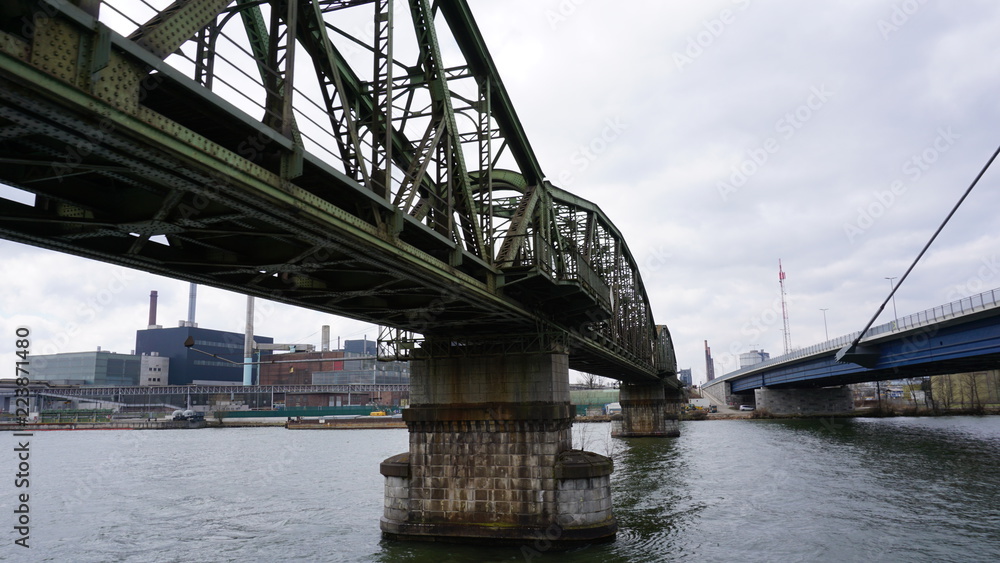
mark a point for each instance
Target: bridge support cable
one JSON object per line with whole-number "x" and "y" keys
{"x": 867, "y": 356}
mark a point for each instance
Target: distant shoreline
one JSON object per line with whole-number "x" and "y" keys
{"x": 866, "y": 413}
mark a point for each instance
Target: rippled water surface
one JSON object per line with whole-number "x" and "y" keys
{"x": 903, "y": 489}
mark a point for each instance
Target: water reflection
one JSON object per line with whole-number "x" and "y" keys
{"x": 901, "y": 489}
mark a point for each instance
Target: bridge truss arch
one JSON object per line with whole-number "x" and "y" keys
{"x": 360, "y": 157}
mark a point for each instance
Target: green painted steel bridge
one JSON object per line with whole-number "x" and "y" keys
{"x": 346, "y": 156}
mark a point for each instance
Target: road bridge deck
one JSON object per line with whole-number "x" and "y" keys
{"x": 960, "y": 336}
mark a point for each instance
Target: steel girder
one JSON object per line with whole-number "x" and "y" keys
{"x": 142, "y": 151}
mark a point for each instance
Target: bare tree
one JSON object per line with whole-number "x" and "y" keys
{"x": 929, "y": 398}
{"x": 992, "y": 381}
{"x": 914, "y": 384}
{"x": 947, "y": 394}
{"x": 972, "y": 386}
{"x": 591, "y": 381}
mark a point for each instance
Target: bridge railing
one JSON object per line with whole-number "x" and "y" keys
{"x": 964, "y": 306}
{"x": 967, "y": 305}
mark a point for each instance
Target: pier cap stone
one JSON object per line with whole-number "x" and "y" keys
{"x": 396, "y": 466}
{"x": 578, "y": 464}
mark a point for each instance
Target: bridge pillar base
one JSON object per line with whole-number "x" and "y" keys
{"x": 490, "y": 458}
{"x": 648, "y": 409}
{"x": 828, "y": 400}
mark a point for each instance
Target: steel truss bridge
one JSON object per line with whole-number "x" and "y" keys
{"x": 356, "y": 157}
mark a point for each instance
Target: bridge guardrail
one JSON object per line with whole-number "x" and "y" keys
{"x": 966, "y": 305}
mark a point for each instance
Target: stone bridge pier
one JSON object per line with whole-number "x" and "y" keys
{"x": 648, "y": 409}
{"x": 490, "y": 456}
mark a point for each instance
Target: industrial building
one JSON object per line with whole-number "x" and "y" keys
{"x": 189, "y": 355}
{"x": 753, "y": 357}
{"x": 684, "y": 375}
{"x": 154, "y": 370}
{"x": 297, "y": 368}
{"x": 354, "y": 364}
{"x": 216, "y": 357}
{"x": 100, "y": 368}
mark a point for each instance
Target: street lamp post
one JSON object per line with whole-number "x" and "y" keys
{"x": 894, "y": 313}
{"x": 825, "y": 330}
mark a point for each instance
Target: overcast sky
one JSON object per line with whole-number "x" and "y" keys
{"x": 720, "y": 137}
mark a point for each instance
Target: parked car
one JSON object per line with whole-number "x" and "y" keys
{"x": 746, "y": 407}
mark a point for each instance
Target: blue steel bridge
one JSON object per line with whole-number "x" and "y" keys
{"x": 263, "y": 148}
{"x": 957, "y": 337}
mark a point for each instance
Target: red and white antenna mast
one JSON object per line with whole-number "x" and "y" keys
{"x": 784, "y": 308}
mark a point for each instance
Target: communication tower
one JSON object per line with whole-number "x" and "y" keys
{"x": 784, "y": 309}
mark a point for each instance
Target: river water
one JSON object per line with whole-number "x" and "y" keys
{"x": 899, "y": 489}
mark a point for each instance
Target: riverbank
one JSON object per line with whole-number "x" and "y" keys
{"x": 137, "y": 424}
{"x": 762, "y": 414}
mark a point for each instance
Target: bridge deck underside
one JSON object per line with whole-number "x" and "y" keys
{"x": 958, "y": 348}
{"x": 100, "y": 194}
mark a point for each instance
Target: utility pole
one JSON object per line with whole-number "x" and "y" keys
{"x": 784, "y": 308}
{"x": 895, "y": 324}
{"x": 825, "y": 330}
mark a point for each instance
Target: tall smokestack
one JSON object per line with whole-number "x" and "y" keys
{"x": 709, "y": 363}
{"x": 326, "y": 338}
{"x": 248, "y": 345}
{"x": 192, "y": 299}
{"x": 152, "y": 309}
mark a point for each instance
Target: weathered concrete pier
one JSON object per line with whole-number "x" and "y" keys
{"x": 648, "y": 409}
{"x": 491, "y": 457}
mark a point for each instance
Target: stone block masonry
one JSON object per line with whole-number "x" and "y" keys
{"x": 648, "y": 409}
{"x": 490, "y": 458}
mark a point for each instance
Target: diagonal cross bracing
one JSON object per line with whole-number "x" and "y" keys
{"x": 395, "y": 229}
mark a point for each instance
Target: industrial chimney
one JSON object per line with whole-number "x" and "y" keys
{"x": 326, "y": 339}
{"x": 192, "y": 299}
{"x": 709, "y": 363}
{"x": 152, "y": 310}
{"x": 248, "y": 345}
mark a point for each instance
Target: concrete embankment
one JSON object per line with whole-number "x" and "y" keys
{"x": 113, "y": 425}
